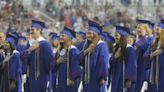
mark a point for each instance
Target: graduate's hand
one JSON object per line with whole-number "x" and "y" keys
{"x": 70, "y": 83}
{"x": 61, "y": 60}
{"x": 1, "y": 50}
{"x": 7, "y": 58}
{"x": 118, "y": 53}
{"x": 128, "y": 83}
{"x": 101, "y": 82}
{"x": 33, "y": 47}
{"x": 156, "y": 52}
{"x": 89, "y": 49}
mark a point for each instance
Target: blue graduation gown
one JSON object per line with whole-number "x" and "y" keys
{"x": 45, "y": 59}
{"x": 54, "y": 72}
{"x": 161, "y": 73}
{"x": 12, "y": 72}
{"x": 74, "y": 72}
{"x": 156, "y": 86}
{"x": 80, "y": 46}
{"x": 131, "y": 68}
{"x": 23, "y": 56}
{"x": 141, "y": 47}
{"x": 99, "y": 59}
{"x": 130, "y": 71}
{"x": 1, "y": 70}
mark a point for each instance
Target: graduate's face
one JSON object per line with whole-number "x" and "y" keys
{"x": 79, "y": 38}
{"x": 21, "y": 42}
{"x": 141, "y": 30}
{"x": 2, "y": 37}
{"x": 63, "y": 38}
{"x": 117, "y": 37}
{"x": 55, "y": 43}
{"x": 90, "y": 36}
{"x": 35, "y": 33}
{"x": 157, "y": 31}
{"x": 130, "y": 40}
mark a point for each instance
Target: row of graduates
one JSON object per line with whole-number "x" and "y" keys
{"x": 35, "y": 66}
{"x": 60, "y": 66}
{"x": 136, "y": 64}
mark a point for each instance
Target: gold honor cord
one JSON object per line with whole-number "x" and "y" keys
{"x": 151, "y": 73}
{"x": 68, "y": 68}
{"x": 35, "y": 57}
{"x": 124, "y": 89}
{"x": 87, "y": 68}
{"x": 157, "y": 71}
{"x": 38, "y": 63}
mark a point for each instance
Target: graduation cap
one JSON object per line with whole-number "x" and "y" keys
{"x": 52, "y": 33}
{"x": 55, "y": 37}
{"x": 83, "y": 34}
{"x": 105, "y": 33}
{"x": 161, "y": 24}
{"x": 94, "y": 26}
{"x": 28, "y": 31}
{"x": 107, "y": 23}
{"x": 109, "y": 38}
{"x": 143, "y": 21}
{"x": 124, "y": 31}
{"x": 69, "y": 32}
{"x": 22, "y": 38}
{"x": 149, "y": 23}
{"x": 102, "y": 36}
{"x": 12, "y": 38}
{"x": 38, "y": 24}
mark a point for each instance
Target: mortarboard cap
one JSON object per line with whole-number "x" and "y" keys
{"x": 161, "y": 24}
{"x": 124, "y": 31}
{"x": 22, "y": 38}
{"x": 55, "y": 37}
{"x": 38, "y": 24}
{"x": 52, "y": 33}
{"x": 109, "y": 38}
{"x": 12, "y": 38}
{"x": 102, "y": 36}
{"x": 149, "y": 23}
{"x": 107, "y": 23}
{"x": 83, "y": 34}
{"x": 95, "y": 27}
{"x": 69, "y": 32}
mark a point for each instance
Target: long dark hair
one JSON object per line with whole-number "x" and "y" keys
{"x": 121, "y": 44}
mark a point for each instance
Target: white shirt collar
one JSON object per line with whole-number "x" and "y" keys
{"x": 128, "y": 45}
{"x": 40, "y": 39}
{"x": 72, "y": 46}
{"x": 100, "y": 41}
{"x": 54, "y": 50}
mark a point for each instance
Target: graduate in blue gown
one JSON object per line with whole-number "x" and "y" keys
{"x": 154, "y": 55}
{"x": 123, "y": 63}
{"x": 94, "y": 60}
{"x": 141, "y": 46}
{"x": 40, "y": 59}
{"x": 69, "y": 68}
{"x": 22, "y": 47}
{"x": 81, "y": 40}
{"x": 56, "y": 49}
{"x": 12, "y": 68}
{"x": 2, "y": 56}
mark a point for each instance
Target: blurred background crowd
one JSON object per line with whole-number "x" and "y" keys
{"x": 16, "y": 15}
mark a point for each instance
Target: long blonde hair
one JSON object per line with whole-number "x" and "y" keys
{"x": 148, "y": 30}
{"x": 161, "y": 39}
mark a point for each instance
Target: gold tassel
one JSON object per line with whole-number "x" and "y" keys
{"x": 157, "y": 71}
{"x": 38, "y": 63}
{"x": 68, "y": 71}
